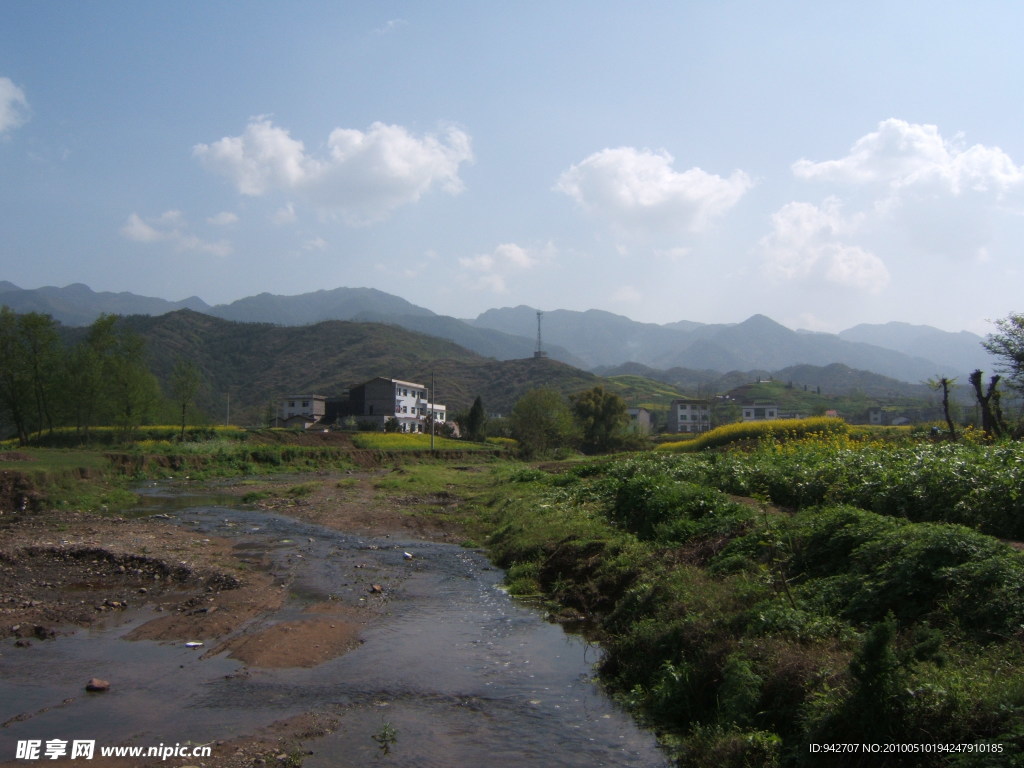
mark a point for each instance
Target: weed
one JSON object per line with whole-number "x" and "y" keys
{"x": 386, "y": 737}
{"x": 303, "y": 489}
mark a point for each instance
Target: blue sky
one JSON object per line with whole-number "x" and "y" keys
{"x": 825, "y": 164}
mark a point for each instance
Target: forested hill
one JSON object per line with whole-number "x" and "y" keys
{"x": 254, "y": 364}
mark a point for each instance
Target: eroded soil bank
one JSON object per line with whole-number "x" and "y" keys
{"x": 319, "y": 623}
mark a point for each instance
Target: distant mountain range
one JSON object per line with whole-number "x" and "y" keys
{"x": 591, "y": 340}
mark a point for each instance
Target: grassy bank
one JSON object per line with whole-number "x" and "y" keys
{"x": 744, "y": 633}
{"x": 99, "y": 476}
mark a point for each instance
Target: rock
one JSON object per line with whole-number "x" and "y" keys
{"x": 376, "y": 589}
{"x": 96, "y": 685}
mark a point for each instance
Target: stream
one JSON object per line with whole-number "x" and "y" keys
{"x": 453, "y": 672}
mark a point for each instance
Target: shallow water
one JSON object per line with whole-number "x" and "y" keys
{"x": 455, "y": 671}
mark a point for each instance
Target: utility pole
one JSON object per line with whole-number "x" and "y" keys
{"x": 430, "y": 411}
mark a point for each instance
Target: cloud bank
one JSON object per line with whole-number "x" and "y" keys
{"x": 364, "y": 176}
{"x": 639, "y": 190}
{"x": 812, "y": 242}
{"x": 903, "y": 156}
{"x": 901, "y": 193}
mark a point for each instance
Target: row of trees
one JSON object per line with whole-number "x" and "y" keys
{"x": 102, "y": 379}
{"x": 544, "y": 422}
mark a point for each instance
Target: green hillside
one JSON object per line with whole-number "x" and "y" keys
{"x": 253, "y": 364}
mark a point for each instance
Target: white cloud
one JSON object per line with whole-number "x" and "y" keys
{"x": 139, "y": 231}
{"x": 365, "y": 175}
{"x": 170, "y": 227}
{"x": 639, "y": 190}
{"x": 264, "y": 156}
{"x": 919, "y": 194}
{"x": 223, "y": 219}
{"x": 808, "y": 242}
{"x": 492, "y": 270}
{"x": 13, "y": 106}
{"x": 902, "y": 155}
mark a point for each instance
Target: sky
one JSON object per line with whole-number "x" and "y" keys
{"x": 824, "y": 164}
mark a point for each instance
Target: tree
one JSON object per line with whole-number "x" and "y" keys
{"x": 602, "y": 418}
{"x": 15, "y": 387}
{"x": 125, "y": 391}
{"x": 42, "y": 353}
{"x": 476, "y": 421}
{"x": 945, "y": 384}
{"x": 185, "y": 381}
{"x": 1008, "y": 345}
{"x": 542, "y": 423}
{"x": 988, "y": 401}
{"x": 87, "y": 366}
{"x": 30, "y": 354}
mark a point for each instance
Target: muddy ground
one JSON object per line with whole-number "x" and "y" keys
{"x": 65, "y": 570}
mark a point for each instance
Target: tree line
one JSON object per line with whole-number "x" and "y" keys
{"x": 102, "y": 379}
{"x": 544, "y": 422}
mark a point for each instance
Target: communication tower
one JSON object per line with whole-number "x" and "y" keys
{"x": 539, "y": 352}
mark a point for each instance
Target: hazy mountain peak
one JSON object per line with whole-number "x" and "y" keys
{"x": 586, "y": 339}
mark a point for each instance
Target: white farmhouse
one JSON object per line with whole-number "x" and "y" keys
{"x": 689, "y": 415}
{"x": 407, "y": 402}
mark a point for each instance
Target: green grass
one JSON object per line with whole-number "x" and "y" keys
{"x": 742, "y": 634}
{"x": 54, "y": 460}
{"x": 72, "y": 479}
{"x": 301, "y": 490}
{"x": 380, "y": 441}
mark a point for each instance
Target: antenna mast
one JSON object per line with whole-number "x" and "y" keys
{"x": 540, "y": 350}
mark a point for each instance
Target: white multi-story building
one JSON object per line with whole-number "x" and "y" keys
{"x": 689, "y": 415}
{"x": 406, "y": 402}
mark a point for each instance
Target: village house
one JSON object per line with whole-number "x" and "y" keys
{"x": 689, "y": 415}
{"x": 380, "y": 399}
{"x": 760, "y": 412}
{"x": 373, "y": 402}
{"x": 640, "y": 422}
{"x": 302, "y": 411}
